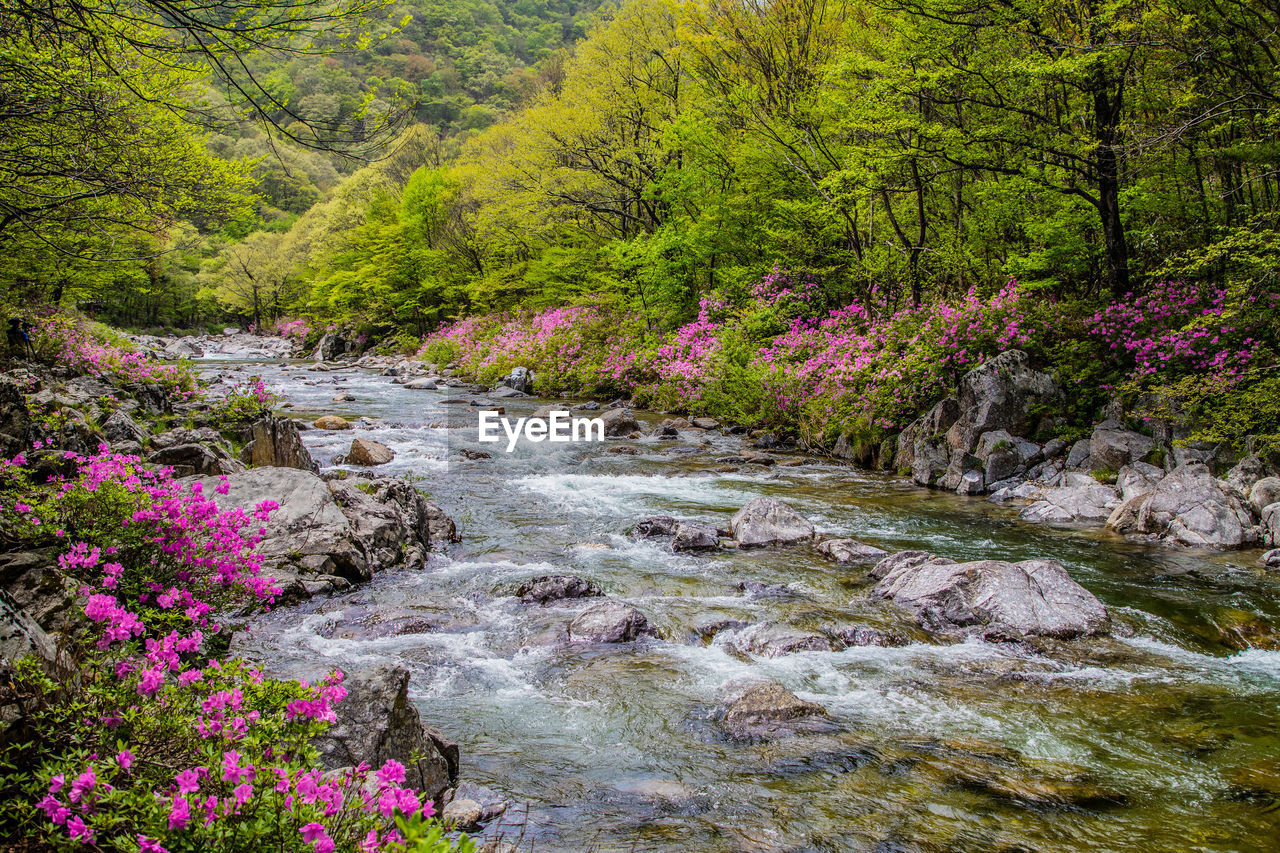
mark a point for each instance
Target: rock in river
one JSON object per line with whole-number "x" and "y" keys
{"x": 769, "y": 711}
{"x": 610, "y": 622}
{"x": 769, "y": 521}
{"x": 331, "y": 422}
{"x": 1031, "y": 598}
{"x": 691, "y": 536}
{"x": 547, "y": 588}
{"x": 1188, "y": 507}
{"x": 369, "y": 453}
{"x": 850, "y": 551}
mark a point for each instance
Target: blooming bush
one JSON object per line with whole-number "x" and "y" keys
{"x": 295, "y": 329}
{"x": 153, "y": 743}
{"x": 76, "y": 344}
{"x": 243, "y": 403}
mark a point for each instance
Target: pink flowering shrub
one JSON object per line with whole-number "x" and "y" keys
{"x": 140, "y": 737}
{"x": 72, "y": 343}
{"x": 244, "y": 402}
{"x": 295, "y": 329}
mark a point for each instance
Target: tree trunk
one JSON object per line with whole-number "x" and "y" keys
{"x": 1106, "y": 111}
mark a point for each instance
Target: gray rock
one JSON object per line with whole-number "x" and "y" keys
{"x": 462, "y": 814}
{"x": 930, "y": 461}
{"x": 655, "y": 526}
{"x": 1247, "y": 472}
{"x": 1264, "y": 493}
{"x": 369, "y": 453}
{"x": 119, "y": 428}
{"x": 505, "y": 393}
{"x": 770, "y": 640}
{"x": 769, "y": 711}
{"x": 691, "y": 536}
{"x": 195, "y": 459}
{"x": 21, "y": 636}
{"x": 904, "y": 560}
{"x": 1138, "y": 478}
{"x": 1271, "y": 525}
{"x": 1189, "y": 507}
{"x": 422, "y": 385}
{"x": 1271, "y": 559}
{"x": 850, "y": 551}
{"x": 520, "y": 379}
{"x": 972, "y": 483}
{"x": 1078, "y": 457}
{"x": 705, "y": 423}
{"x": 1030, "y": 598}
{"x": 769, "y": 521}
{"x": 1112, "y": 446}
{"x": 1003, "y": 393}
{"x": 619, "y": 423}
{"x": 610, "y": 622}
{"x": 1092, "y": 502}
{"x": 276, "y": 442}
{"x": 376, "y": 722}
{"x": 1054, "y": 448}
{"x": 548, "y": 588}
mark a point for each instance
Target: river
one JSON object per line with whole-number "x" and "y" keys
{"x": 968, "y": 746}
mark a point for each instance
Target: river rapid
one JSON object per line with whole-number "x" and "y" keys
{"x": 1161, "y": 737}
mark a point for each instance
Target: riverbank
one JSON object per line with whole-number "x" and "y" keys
{"x": 615, "y": 664}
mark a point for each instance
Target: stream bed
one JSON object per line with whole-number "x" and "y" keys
{"x": 1161, "y": 737}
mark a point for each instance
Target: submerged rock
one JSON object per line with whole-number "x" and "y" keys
{"x": 376, "y": 722}
{"x": 546, "y": 588}
{"x": 850, "y": 551}
{"x": 1030, "y": 598}
{"x": 769, "y": 521}
{"x": 610, "y": 622}
{"x": 769, "y": 711}
{"x": 770, "y": 640}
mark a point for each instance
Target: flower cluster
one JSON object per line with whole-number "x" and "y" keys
{"x": 156, "y": 746}
{"x": 72, "y": 343}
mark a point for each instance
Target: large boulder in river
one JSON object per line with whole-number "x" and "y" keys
{"x": 331, "y": 422}
{"x": 276, "y": 442}
{"x": 1188, "y": 507}
{"x": 1271, "y": 525}
{"x": 769, "y": 711}
{"x": 376, "y": 722}
{"x": 369, "y": 453}
{"x": 769, "y": 521}
{"x": 1085, "y": 502}
{"x": 692, "y": 536}
{"x": 1030, "y": 598}
{"x": 610, "y": 622}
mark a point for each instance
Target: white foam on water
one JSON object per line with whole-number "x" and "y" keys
{"x": 604, "y": 495}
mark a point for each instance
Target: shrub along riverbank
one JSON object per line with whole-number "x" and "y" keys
{"x": 127, "y": 726}
{"x": 785, "y": 359}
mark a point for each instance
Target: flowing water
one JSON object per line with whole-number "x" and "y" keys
{"x": 1169, "y": 728}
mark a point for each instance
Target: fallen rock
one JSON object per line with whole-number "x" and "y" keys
{"x": 850, "y": 551}
{"x": 119, "y": 428}
{"x": 1030, "y": 598}
{"x": 548, "y": 588}
{"x": 331, "y": 422}
{"x": 376, "y": 722}
{"x": 769, "y": 711}
{"x": 610, "y": 622}
{"x": 691, "y": 536}
{"x": 369, "y": 453}
{"x": 769, "y": 521}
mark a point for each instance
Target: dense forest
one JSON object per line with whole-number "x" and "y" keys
{"x": 653, "y": 160}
